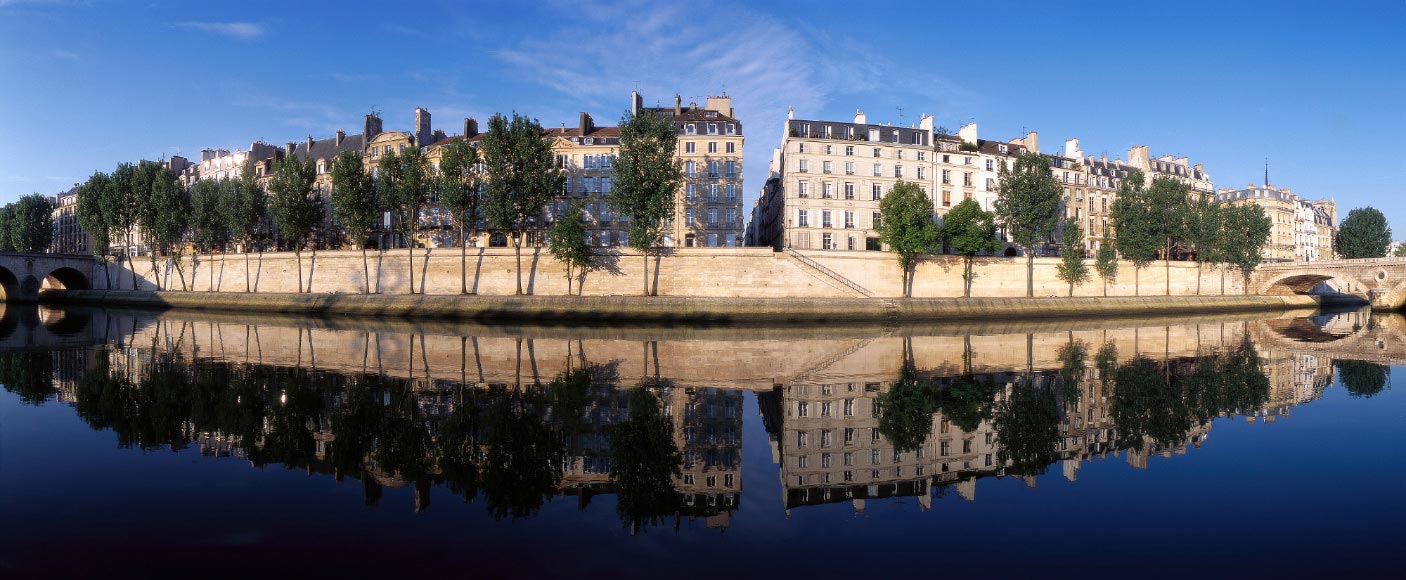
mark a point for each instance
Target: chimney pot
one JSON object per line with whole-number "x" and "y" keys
{"x": 341, "y": 136}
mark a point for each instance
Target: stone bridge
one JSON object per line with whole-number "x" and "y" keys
{"x": 22, "y": 275}
{"x": 1379, "y": 281}
{"x": 1357, "y": 335}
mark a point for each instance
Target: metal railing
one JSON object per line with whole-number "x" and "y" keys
{"x": 802, "y": 258}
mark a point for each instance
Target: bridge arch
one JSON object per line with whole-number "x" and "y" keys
{"x": 1295, "y": 283}
{"x": 9, "y": 284}
{"x": 67, "y": 278}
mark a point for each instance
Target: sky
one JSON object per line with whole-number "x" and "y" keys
{"x": 1316, "y": 88}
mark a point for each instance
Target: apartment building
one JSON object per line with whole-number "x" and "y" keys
{"x": 708, "y": 210}
{"x": 585, "y": 153}
{"x": 69, "y": 236}
{"x": 1300, "y": 230}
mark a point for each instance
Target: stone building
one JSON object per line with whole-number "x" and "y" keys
{"x": 1300, "y": 230}
{"x": 69, "y": 236}
{"x": 585, "y": 153}
{"x": 708, "y": 209}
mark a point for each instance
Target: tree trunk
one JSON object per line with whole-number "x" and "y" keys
{"x": 298, "y": 251}
{"x": 646, "y": 273}
{"x": 365, "y": 270}
{"x": 312, "y": 271}
{"x": 1222, "y": 281}
{"x": 966, "y": 276}
{"x": 155, "y": 276}
{"x": 1029, "y": 273}
{"x": 410, "y": 254}
{"x": 1137, "y": 280}
{"x": 181, "y": 274}
{"x": 1167, "y": 267}
{"x": 127, "y": 252}
{"x": 463, "y": 261}
{"x": 517, "y": 249}
{"x": 1198, "y": 278}
{"x": 568, "y": 279}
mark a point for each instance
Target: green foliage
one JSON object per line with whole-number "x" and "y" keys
{"x": 91, "y": 216}
{"x": 524, "y": 465}
{"x": 908, "y": 227}
{"x": 1362, "y": 379}
{"x": 1158, "y": 404}
{"x": 1106, "y": 361}
{"x": 1027, "y": 204}
{"x": 968, "y": 401}
{"x": 568, "y": 243}
{"x": 1400, "y": 250}
{"x": 461, "y": 187}
{"x": 1027, "y": 425}
{"x": 1073, "y": 362}
{"x": 1168, "y": 201}
{"x": 29, "y": 224}
{"x": 645, "y": 460}
{"x": 969, "y": 230}
{"x": 208, "y": 217}
{"x": 906, "y": 411}
{"x": 1246, "y": 230}
{"x": 245, "y": 206}
{"x": 354, "y": 202}
{"x": 407, "y": 185}
{"x": 1072, "y": 269}
{"x": 521, "y": 177}
{"x": 29, "y": 375}
{"x": 646, "y": 178}
{"x": 1106, "y": 259}
{"x": 1363, "y": 234}
{"x": 1138, "y": 238}
{"x": 1205, "y": 229}
{"x": 7, "y": 213}
{"x": 291, "y": 202}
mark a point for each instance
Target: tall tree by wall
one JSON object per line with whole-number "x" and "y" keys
{"x": 1204, "y": 232}
{"x": 461, "y": 196}
{"x": 120, "y": 209}
{"x": 354, "y": 204}
{"x": 1027, "y": 204}
{"x": 1363, "y": 234}
{"x": 968, "y": 230}
{"x": 568, "y": 243}
{"x": 1072, "y": 269}
{"x": 31, "y": 224}
{"x": 7, "y": 213}
{"x": 294, "y": 208}
{"x": 908, "y": 228}
{"x": 1137, "y": 239}
{"x": 245, "y": 206}
{"x": 1106, "y": 260}
{"x": 147, "y": 174}
{"x": 1167, "y": 201}
{"x": 207, "y": 223}
{"x": 645, "y": 181}
{"x": 94, "y": 220}
{"x": 522, "y": 177}
{"x": 170, "y": 206}
{"x": 1245, "y": 232}
{"x": 408, "y": 190}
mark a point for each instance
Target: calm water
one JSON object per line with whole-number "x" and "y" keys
{"x": 206, "y": 445}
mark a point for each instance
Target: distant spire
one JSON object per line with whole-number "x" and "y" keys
{"x": 1266, "y": 172}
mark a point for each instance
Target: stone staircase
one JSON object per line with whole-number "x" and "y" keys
{"x": 829, "y": 276}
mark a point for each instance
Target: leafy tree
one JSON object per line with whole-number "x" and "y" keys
{"x": 1106, "y": 361}
{"x": 1137, "y": 238}
{"x": 7, "y": 213}
{"x": 208, "y": 217}
{"x": 645, "y": 181}
{"x": 968, "y": 401}
{"x": 29, "y": 375}
{"x": 407, "y": 186}
{"x": 645, "y": 459}
{"x": 969, "y": 230}
{"x": 1146, "y": 407}
{"x": 461, "y": 196}
{"x": 148, "y": 210}
{"x": 1072, "y": 268}
{"x": 1400, "y": 250}
{"x": 120, "y": 210}
{"x": 172, "y": 206}
{"x": 1362, "y": 379}
{"x": 94, "y": 220}
{"x": 1246, "y": 232}
{"x": 1106, "y": 259}
{"x": 908, "y": 228}
{"x": 31, "y": 224}
{"x": 354, "y": 204}
{"x": 522, "y": 177}
{"x": 906, "y": 411}
{"x": 1028, "y": 206}
{"x": 1168, "y": 199}
{"x": 294, "y": 208}
{"x": 568, "y": 243}
{"x": 245, "y": 206}
{"x": 1363, "y": 234}
{"x": 524, "y": 464}
{"x": 1204, "y": 230}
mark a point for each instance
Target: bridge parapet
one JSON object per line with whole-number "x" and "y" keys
{"x": 23, "y": 274}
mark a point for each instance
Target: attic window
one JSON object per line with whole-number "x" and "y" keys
{"x": 1001, "y": 147}
{"x": 590, "y": 140}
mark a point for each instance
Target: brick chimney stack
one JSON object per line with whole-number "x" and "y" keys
{"x": 470, "y": 127}
{"x": 423, "y": 134}
{"x": 341, "y": 136}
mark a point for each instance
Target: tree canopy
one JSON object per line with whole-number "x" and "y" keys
{"x": 645, "y": 181}
{"x": 1363, "y": 234}
{"x": 908, "y": 227}
{"x": 968, "y": 230}
{"x": 1027, "y": 205}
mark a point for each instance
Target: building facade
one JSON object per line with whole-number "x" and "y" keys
{"x": 69, "y": 236}
{"x": 1300, "y": 230}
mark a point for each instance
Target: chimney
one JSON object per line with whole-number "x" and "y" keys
{"x": 790, "y": 112}
{"x": 586, "y": 125}
{"x": 1031, "y": 142}
{"x": 370, "y": 129}
{"x": 1071, "y": 149}
{"x": 967, "y": 133}
{"x": 288, "y": 149}
{"x": 678, "y": 103}
{"x": 721, "y": 104}
{"x": 925, "y": 123}
{"x": 470, "y": 127}
{"x": 341, "y": 136}
{"x": 860, "y": 118}
{"x": 423, "y": 135}
{"x": 692, "y": 106}
{"x": 309, "y": 144}
{"x": 636, "y": 102}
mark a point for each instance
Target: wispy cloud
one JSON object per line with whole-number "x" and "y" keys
{"x": 239, "y": 30}
{"x": 317, "y": 118}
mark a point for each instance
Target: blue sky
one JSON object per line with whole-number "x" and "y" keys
{"x": 1315, "y": 87}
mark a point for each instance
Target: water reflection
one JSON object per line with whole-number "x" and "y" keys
{"x": 511, "y": 419}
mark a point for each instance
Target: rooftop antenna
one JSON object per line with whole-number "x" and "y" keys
{"x": 900, "y": 115}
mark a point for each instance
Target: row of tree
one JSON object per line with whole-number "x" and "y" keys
{"x": 27, "y": 225}
{"x": 502, "y": 185}
{"x": 1160, "y": 220}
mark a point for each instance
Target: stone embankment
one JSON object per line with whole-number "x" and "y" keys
{"x": 680, "y": 309}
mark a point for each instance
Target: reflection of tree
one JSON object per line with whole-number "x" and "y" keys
{"x": 906, "y": 411}
{"x": 1146, "y": 406}
{"x": 968, "y": 401}
{"x": 28, "y": 374}
{"x": 1027, "y": 424}
{"x": 291, "y": 420}
{"x": 354, "y": 425}
{"x": 523, "y": 464}
{"x": 458, "y": 450}
{"x": 149, "y": 413}
{"x": 1071, "y": 370}
{"x": 645, "y": 461}
{"x": 1361, "y": 378}
{"x": 1106, "y": 361}
{"x": 1160, "y": 403}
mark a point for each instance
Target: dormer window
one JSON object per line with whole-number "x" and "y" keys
{"x": 690, "y": 129}
{"x": 590, "y": 140}
{"x": 712, "y": 128}
{"x": 1001, "y": 148}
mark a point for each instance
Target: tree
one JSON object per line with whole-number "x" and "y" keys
{"x": 1106, "y": 260}
{"x": 1028, "y": 206}
{"x": 522, "y": 177}
{"x": 906, "y": 411}
{"x": 1362, "y": 379}
{"x": 31, "y": 224}
{"x": 407, "y": 188}
{"x": 645, "y": 181}
{"x": 1072, "y": 268}
{"x": 1027, "y": 426}
{"x": 245, "y": 205}
{"x": 120, "y": 210}
{"x": 148, "y": 211}
{"x": 1204, "y": 230}
{"x": 1246, "y": 230}
{"x": 93, "y": 219}
{"x": 645, "y": 461}
{"x": 170, "y": 206}
{"x": 7, "y": 213}
{"x": 461, "y": 196}
{"x": 968, "y": 230}
{"x": 208, "y": 217}
{"x": 1167, "y": 200}
{"x": 1137, "y": 239}
{"x": 908, "y": 228}
{"x": 1363, "y": 234}
{"x": 568, "y": 242}
{"x": 1400, "y": 250}
{"x": 354, "y": 204}
{"x": 295, "y": 211}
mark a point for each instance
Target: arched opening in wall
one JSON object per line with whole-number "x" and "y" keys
{"x": 497, "y": 240}
{"x": 1010, "y": 252}
{"x": 9, "y": 284}
{"x": 1301, "y": 284}
{"x": 66, "y": 279}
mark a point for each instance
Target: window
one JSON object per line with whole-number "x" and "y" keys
{"x": 946, "y": 449}
{"x": 731, "y": 129}
{"x": 920, "y": 172}
{"x": 849, "y": 168}
{"x": 688, "y": 147}
{"x": 990, "y": 165}
{"x": 730, "y": 216}
{"x": 967, "y": 161}
{"x": 802, "y": 218}
{"x": 731, "y": 147}
{"x": 898, "y": 171}
{"x": 878, "y": 170}
{"x": 946, "y": 198}
{"x": 825, "y": 191}
{"x": 874, "y": 136}
{"x": 826, "y": 167}
{"x": 712, "y": 169}
{"x": 824, "y": 457}
{"x": 800, "y": 147}
{"x": 990, "y": 184}
{"x": 853, "y": 243}
{"x": 690, "y": 168}
{"x": 827, "y": 241}
{"x": 849, "y": 438}
{"x": 712, "y": 218}
{"x": 849, "y": 149}
{"x": 688, "y": 214}
{"x": 922, "y": 156}
{"x": 878, "y": 220}
{"x": 712, "y": 128}
{"x": 802, "y": 166}
{"x": 876, "y": 192}
{"x": 876, "y": 151}
{"x": 801, "y": 189}
{"x": 802, "y": 409}
{"x": 801, "y": 438}
{"x": 712, "y": 192}
{"x": 875, "y": 456}
{"x": 730, "y": 168}
{"x": 690, "y": 129}
{"x": 690, "y": 192}
{"x": 712, "y": 240}
{"x": 731, "y": 239}
{"x": 828, "y": 150}
{"x": 712, "y": 146}
{"x": 825, "y": 219}
{"x": 967, "y": 179}
{"x": 731, "y": 192}
{"x": 849, "y": 190}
